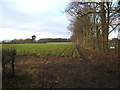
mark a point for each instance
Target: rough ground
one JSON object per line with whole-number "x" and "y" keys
{"x": 92, "y": 70}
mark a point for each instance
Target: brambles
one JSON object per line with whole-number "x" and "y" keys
{"x": 49, "y": 49}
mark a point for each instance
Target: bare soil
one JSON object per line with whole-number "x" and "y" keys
{"x": 92, "y": 70}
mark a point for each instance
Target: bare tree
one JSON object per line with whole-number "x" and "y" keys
{"x": 90, "y": 22}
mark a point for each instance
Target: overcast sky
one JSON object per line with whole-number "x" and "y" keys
{"x": 23, "y": 18}
{"x": 20, "y": 19}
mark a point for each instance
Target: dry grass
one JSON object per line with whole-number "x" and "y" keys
{"x": 91, "y": 70}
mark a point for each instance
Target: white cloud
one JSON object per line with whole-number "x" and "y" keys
{"x": 12, "y": 33}
{"x": 60, "y": 19}
{"x": 33, "y": 6}
{"x": 113, "y": 35}
{"x": 7, "y": 0}
{"x": 23, "y": 18}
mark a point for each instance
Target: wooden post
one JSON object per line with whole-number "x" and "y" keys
{"x": 12, "y": 65}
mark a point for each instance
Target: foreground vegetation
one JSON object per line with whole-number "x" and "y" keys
{"x": 44, "y": 49}
{"x": 89, "y": 71}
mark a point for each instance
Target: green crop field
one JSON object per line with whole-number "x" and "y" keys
{"x": 44, "y": 49}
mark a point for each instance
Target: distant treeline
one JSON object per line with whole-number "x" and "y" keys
{"x": 54, "y": 40}
{"x": 44, "y": 40}
{"x": 21, "y": 42}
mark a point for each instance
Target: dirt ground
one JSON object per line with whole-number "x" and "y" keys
{"x": 92, "y": 70}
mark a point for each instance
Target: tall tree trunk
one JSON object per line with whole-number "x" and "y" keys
{"x": 108, "y": 20}
{"x": 104, "y": 28}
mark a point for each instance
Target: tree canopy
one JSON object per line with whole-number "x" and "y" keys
{"x": 92, "y": 22}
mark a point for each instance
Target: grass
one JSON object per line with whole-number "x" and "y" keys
{"x": 36, "y": 72}
{"x": 60, "y": 72}
{"x": 43, "y": 49}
